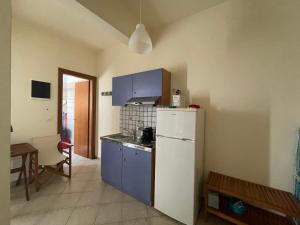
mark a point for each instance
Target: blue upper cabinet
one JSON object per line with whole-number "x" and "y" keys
{"x": 122, "y": 90}
{"x": 147, "y": 84}
{"x": 153, "y": 83}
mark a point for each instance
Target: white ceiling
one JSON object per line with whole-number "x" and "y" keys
{"x": 159, "y": 13}
{"x": 124, "y": 14}
{"x": 103, "y": 23}
{"x": 69, "y": 18}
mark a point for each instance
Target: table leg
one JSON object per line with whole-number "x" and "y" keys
{"x": 70, "y": 162}
{"x": 36, "y": 171}
{"x": 20, "y": 174}
{"x": 30, "y": 168}
{"x": 25, "y": 176}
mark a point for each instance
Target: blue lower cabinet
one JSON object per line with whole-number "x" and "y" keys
{"x": 111, "y": 163}
{"x": 136, "y": 174}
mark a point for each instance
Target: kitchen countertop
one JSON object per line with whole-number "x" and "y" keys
{"x": 129, "y": 141}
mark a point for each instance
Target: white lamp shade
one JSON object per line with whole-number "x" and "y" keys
{"x": 140, "y": 41}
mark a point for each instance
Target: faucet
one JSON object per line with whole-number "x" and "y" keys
{"x": 131, "y": 133}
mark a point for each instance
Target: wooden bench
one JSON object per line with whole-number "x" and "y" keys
{"x": 265, "y": 205}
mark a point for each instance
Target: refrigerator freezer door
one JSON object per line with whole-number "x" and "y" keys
{"x": 176, "y": 124}
{"x": 174, "y": 179}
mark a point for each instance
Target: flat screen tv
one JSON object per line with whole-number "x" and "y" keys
{"x": 40, "y": 90}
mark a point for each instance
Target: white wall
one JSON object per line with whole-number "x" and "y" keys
{"x": 37, "y": 54}
{"x": 240, "y": 60}
{"x": 5, "y": 40}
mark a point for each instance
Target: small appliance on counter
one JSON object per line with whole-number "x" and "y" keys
{"x": 147, "y": 136}
{"x": 178, "y": 99}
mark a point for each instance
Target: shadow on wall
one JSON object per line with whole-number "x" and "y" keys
{"x": 156, "y": 33}
{"x": 179, "y": 79}
{"x": 242, "y": 149}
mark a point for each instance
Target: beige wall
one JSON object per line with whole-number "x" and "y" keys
{"x": 37, "y": 54}
{"x": 240, "y": 60}
{"x": 5, "y": 35}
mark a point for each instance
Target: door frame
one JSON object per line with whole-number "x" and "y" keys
{"x": 92, "y": 106}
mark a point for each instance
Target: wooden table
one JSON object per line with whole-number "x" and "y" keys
{"x": 265, "y": 205}
{"x": 25, "y": 150}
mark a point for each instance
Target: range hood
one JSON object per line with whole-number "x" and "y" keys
{"x": 143, "y": 101}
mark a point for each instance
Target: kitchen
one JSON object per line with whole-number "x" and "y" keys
{"x": 236, "y": 59}
{"x": 157, "y": 143}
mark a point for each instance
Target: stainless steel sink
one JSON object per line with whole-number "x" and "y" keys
{"x": 128, "y": 141}
{"x": 120, "y": 137}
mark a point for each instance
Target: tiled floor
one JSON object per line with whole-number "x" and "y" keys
{"x": 83, "y": 200}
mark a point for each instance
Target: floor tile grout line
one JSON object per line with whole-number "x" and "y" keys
{"x": 80, "y": 206}
{"x": 103, "y": 187}
{"x": 73, "y": 209}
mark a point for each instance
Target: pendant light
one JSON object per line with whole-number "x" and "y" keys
{"x": 140, "y": 41}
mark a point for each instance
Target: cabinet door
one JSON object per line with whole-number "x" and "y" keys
{"x": 136, "y": 177}
{"x": 147, "y": 84}
{"x": 121, "y": 90}
{"x": 111, "y": 163}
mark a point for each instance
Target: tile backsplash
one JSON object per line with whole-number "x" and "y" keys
{"x": 131, "y": 115}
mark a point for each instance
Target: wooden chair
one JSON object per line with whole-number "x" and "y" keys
{"x": 53, "y": 154}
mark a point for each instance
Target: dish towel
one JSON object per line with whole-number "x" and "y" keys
{"x": 297, "y": 176}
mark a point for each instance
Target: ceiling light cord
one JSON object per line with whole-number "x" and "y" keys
{"x": 140, "y": 41}
{"x": 140, "y": 11}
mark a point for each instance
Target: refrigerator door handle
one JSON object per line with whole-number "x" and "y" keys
{"x": 182, "y": 139}
{"x": 186, "y": 139}
{"x": 159, "y": 136}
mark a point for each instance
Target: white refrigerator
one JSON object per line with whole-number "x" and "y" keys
{"x": 179, "y": 163}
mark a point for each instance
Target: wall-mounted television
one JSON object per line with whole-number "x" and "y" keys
{"x": 40, "y": 89}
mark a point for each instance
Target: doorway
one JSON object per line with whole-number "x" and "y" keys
{"x": 77, "y": 111}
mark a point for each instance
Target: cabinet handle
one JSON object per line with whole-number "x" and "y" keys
{"x": 136, "y": 153}
{"x": 124, "y": 159}
{"x": 120, "y": 149}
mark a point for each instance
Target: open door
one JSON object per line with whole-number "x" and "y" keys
{"x": 77, "y": 104}
{"x": 81, "y": 128}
